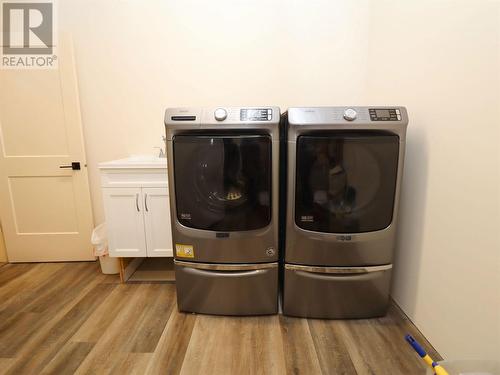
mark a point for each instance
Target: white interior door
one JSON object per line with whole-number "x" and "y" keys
{"x": 157, "y": 220}
{"x": 45, "y": 211}
{"x": 125, "y": 221}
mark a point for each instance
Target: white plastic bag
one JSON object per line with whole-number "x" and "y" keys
{"x": 109, "y": 266}
{"x": 100, "y": 240}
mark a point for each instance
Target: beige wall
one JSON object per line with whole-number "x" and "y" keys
{"x": 445, "y": 68}
{"x": 135, "y": 60}
{"x": 440, "y": 59}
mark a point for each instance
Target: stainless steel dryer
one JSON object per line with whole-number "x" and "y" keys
{"x": 344, "y": 175}
{"x": 223, "y": 183}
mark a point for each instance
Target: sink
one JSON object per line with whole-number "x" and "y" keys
{"x": 135, "y": 161}
{"x": 147, "y": 158}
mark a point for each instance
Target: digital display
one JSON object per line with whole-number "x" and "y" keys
{"x": 382, "y": 112}
{"x": 385, "y": 114}
{"x": 256, "y": 114}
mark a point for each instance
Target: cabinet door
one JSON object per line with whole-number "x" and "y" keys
{"x": 157, "y": 222}
{"x": 125, "y": 220}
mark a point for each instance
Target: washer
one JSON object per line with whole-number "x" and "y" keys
{"x": 223, "y": 169}
{"x": 344, "y": 175}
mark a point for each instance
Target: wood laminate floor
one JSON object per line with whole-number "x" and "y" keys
{"x": 64, "y": 318}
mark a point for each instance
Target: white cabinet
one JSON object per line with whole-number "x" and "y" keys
{"x": 125, "y": 222}
{"x": 157, "y": 222}
{"x": 137, "y": 209}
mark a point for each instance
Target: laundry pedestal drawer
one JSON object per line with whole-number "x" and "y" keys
{"x": 336, "y": 292}
{"x": 227, "y": 289}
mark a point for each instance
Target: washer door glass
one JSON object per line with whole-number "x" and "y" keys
{"x": 346, "y": 182}
{"x": 223, "y": 183}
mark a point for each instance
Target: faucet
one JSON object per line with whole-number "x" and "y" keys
{"x": 162, "y": 153}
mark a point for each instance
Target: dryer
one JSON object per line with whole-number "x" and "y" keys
{"x": 345, "y": 166}
{"x": 223, "y": 181}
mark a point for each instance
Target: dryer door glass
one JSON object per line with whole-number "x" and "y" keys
{"x": 223, "y": 183}
{"x": 345, "y": 182}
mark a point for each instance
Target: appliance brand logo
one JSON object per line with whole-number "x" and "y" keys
{"x": 28, "y": 29}
{"x": 344, "y": 238}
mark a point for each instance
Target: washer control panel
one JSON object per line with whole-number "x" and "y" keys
{"x": 256, "y": 114}
{"x": 385, "y": 114}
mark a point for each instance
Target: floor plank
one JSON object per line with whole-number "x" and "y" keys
{"x": 11, "y": 272}
{"x": 5, "y": 364}
{"x": 24, "y": 312}
{"x": 47, "y": 343}
{"x": 15, "y": 331}
{"x": 300, "y": 353}
{"x": 173, "y": 344}
{"x": 377, "y": 346}
{"x": 68, "y": 359}
{"x": 137, "y": 327}
{"x": 100, "y": 319}
{"x": 131, "y": 363}
{"x": 234, "y": 345}
{"x": 330, "y": 347}
{"x": 15, "y": 293}
{"x": 65, "y": 318}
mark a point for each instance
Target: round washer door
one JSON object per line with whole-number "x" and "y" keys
{"x": 223, "y": 183}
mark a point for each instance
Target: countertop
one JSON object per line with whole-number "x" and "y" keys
{"x": 136, "y": 162}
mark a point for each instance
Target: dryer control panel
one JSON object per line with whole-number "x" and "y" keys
{"x": 384, "y": 114}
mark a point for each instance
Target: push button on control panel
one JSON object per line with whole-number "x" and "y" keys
{"x": 382, "y": 114}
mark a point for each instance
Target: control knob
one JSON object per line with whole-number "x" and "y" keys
{"x": 350, "y": 114}
{"x": 220, "y": 114}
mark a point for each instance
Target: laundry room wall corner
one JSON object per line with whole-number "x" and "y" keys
{"x": 444, "y": 67}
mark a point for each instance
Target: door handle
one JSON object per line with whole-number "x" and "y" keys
{"x": 226, "y": 267}
{"x": 337, "y": 277}
{"x": 137, "y": 202}
{"x": 338, "y": 270}
{"x": 74, "y": 165}
{"x": 227, "y": 274}
{"x": 146, "y": 202}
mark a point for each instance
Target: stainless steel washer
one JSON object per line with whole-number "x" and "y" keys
{"x": 345, "y": 166}
{"x": 223, "y": 182}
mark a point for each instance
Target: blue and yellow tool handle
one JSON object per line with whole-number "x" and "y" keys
{"x": 438, "y": 369}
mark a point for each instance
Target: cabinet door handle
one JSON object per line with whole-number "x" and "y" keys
{"x": 137, "y": 202}
{"x": 146, "y": 201}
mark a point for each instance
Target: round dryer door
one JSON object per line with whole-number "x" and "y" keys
{"x": 346, "y": 182}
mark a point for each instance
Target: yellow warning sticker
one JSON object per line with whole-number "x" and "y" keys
{"x": 184, "y": 251}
